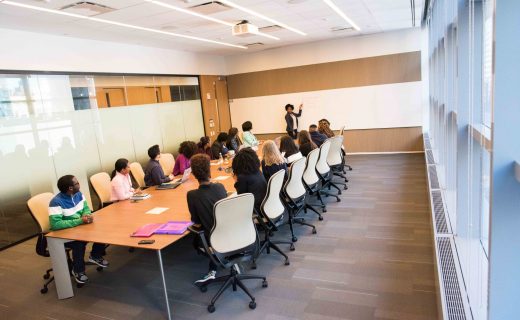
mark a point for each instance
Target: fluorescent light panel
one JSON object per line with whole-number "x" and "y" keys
{"x": 261, "y": 16}
{"x": 342, "y": 14}
{"x": 196, "y": 14}
{"x": 26, "y": 6}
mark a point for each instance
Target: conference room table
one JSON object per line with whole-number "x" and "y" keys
{"x": 115, "y": 223}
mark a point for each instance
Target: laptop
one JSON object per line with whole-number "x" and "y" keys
{"x": 176, "y": 182}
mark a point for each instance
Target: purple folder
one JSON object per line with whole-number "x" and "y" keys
{"x": 174, "y": 227}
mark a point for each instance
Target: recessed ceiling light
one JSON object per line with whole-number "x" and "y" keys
{"x": 125, "y": 25}
{"x": 261, "y": 16}
{"x": 203, "y": 16}
{"x": 342, "y": 14}
{"x": 296, "y": 1}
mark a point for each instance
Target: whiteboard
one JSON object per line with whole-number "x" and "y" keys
{"x": 381, "y": 106}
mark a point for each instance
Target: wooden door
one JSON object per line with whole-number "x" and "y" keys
{"x": 221, "y": 94}
{"x": 111, "y": 97}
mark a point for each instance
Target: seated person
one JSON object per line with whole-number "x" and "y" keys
{"x": 248, "y": 137}
{"x": 219, "y": 146}
{"x": 317, "y": 137}
{"x": 305, "y": 143}
{"x": 324, "y": 128}
{"x": 289, "y": 149}
{"x": 121, "y": 184}
{"x": 272, "y": 160}
{"x": 201, "y": 202}
{"x": 186, "y": 150}
{"x": 69, "y": 209}
{"x": 153, "y": 172}
{"x": 246, "y": 171}
{"x": 233, "y": 141}
{"x": 203, "y": 146}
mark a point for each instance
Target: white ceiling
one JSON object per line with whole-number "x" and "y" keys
{"x": 313, "y": 17}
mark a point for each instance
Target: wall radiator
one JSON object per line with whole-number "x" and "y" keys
{"x": 453, "y": 295}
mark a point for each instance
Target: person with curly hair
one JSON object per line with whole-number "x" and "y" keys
{"x": 204, "y": 146}
{"x": 219, "y": 146}
{"x": 248, "y": 137}
{"x": 246, "y": 172}
{"x": 186, "y": 150}
{"x": 324, "y": 128}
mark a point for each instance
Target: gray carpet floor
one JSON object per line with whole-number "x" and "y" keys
{"x": 372, "y": 258}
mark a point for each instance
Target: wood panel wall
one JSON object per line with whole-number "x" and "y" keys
{"x": 393, "y": 68}
{"x": 215, "y": 104}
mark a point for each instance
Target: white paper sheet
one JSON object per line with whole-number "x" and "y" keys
{"x": 156, "y": 210}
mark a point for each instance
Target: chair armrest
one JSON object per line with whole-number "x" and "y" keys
{"x": 209, "y": 251}
{"x": 196, "y": 229}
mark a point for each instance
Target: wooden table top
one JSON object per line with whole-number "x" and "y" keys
{"x": 114, "y": 223}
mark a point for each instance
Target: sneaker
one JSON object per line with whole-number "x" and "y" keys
{"x": 99, "y": 261}
{"x": 210, "y": 276}
{"x": 80, "y": 277}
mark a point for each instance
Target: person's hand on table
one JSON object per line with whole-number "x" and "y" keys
{"x": 171, "y": 176}
{"x": 87, "y": 219}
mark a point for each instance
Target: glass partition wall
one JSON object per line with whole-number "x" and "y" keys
{"x": 57, "y": 124}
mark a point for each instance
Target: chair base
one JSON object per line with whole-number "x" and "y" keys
{"x": 267, "y": 245}
{"x": 234, "y": 279}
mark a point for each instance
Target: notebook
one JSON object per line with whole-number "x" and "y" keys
{"x": 174, "y": 227}
{"x": 147, "y": 230}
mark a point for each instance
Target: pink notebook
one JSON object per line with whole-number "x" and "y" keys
{"x": 147, "y": 230}
{"x": 174, "y": 227}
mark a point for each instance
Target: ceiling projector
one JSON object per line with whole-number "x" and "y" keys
{"x": 244, "y": 29}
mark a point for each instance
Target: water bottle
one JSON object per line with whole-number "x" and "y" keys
{"x": 220, "y": 159}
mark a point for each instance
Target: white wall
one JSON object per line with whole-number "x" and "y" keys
{"x": 405, "y": 40}
{"x": 42, "y": 52}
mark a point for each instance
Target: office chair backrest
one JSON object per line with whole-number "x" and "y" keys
{"x": 322, "y": 167}
{"x": 167, "y": 162}
{"x": 272, "y": 205}
{"x": 101, "y": 183}
{"x": 39, "y": 209}
{"x": 234, "y": 228}
{"x": 341, "y": 131}
{"x": 138, "y": 173}
{"x": 294, "y": 187}
{"x": 309, "y": 175}
{"x": 334, "y": 155}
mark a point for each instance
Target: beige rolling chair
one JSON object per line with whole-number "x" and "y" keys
{"x": 336, "y": 159}
{"x": 167, "y": 161}
{"x": 138, "y": 173}
{"x": 102, "y": 188}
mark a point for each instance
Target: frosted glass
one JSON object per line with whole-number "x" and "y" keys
{"x": 194, "y": 123}
{"x": 172, "y": 125}
{"x": 146, "y": 129}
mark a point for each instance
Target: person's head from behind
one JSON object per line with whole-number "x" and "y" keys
{"x": 287, "y": 145}
{"x": 121, "y": 166}
{"x": 154, "y": 152}
{"x": 289, "y": 107}
{"x": 313, "y": 128}
{"x": 232, "y": 133}
{"x": 304, "y": 137}
{"x": 200, "y": 167}
{"x": 324, "y": 122}
{"x": 68, "y": 184}
{"x": 270, "y": 153}
{"x": 222, "y": 137}
{"x": 203, "y": 143}
{"x": 245, "y": 162}
{"x": 188, "y": 148}
{"x": 247, "y": 126}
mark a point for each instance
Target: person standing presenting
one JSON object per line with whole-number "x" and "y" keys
{"x": 292, "y": 120}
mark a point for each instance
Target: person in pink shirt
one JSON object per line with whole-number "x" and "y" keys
{"x": 186, "y": 150}
{"x": 121, "y": 184}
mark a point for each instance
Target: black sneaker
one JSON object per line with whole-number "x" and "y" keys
{"x": 80, "y": 277}
{"x": 99, "y": 261}
{"x": 210, "y": 276}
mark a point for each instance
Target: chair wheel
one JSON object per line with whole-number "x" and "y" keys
{"x": 339, "y": 192}
{"x": 294, "y": 239}
{"x": 314, "y": 231}
{"x": 287, "y": 262}
{"x": 44, "y": 290}
{"x": 79, "y": 285}
{"x": 265, "y": 284}
{"x": 253, "y": 266}
{"x": 338, "y": 199}
{"x": 345, "y": 188}
{"x": 292, "y": 248}
{"x": 324, "y": 209}
{"x": 46, "y": 276}
{"x": 203, "y": 288}
{"x": 211, "y": 308}
{"x": 320, "y": 218}
{"x": 349, "y": 169}
{"x": 99, "y": 269}
{"x": 252, "y": 305}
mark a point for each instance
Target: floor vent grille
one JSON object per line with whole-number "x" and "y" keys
{"x": 434, "y": 181}
{"x": 427, "y": 144}
{"x": 451, "y": 285}
{"x": 440, "y": 216}
{"x": 429, "y": 157}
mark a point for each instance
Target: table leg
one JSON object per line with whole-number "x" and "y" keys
{"x": 60, "y": 267}
{"x": 164, "y": 284}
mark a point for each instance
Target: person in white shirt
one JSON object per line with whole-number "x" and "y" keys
{"x": 121, "y": 184}
{"x": 289, "y": 150}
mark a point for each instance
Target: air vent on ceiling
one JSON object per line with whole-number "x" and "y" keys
{"x": 337, "y": 29}
{"x": 209, "y": 7}
{"x": 254, "y": 45}
{"x": 86, "y": 8}
{"x": 268, "y": 29}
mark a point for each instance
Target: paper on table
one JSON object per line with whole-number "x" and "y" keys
{"x": 220, "y": 178}
{"x": 156, "y": 210}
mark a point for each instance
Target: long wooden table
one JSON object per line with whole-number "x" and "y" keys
{"x": 115, "y": 223}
